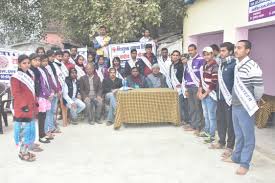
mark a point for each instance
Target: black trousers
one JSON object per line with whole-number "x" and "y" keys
{"x": 41, "y": 124}
{"x": 225, "y": 124}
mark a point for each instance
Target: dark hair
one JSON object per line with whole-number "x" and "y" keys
{"x": 100, "y": 56}
{"x": 148, "y": 46}
{"x": 192, "y": 45}
{"x": 77, "y": 58}
{"x": 112, "y": 69}
{"x": 91, "y": 53}
{"x": 146, "y": 30}
{"x": 186, "y": 55}
{"x": 73, "y": 47}
{"x": 215, "y": 47}
{"x": 71, "y": 70}
{"x": 135, "y": 68}
{"x": 42, "y": 57}
{"x": 248, "y": 44}
{"x": 116, "y": 59}
{"x": 22, "y": 57}
{"x": 66, "y": 52}
{"x": 59, "y": 52}
{"x": 133, "y": 50}
{"x": 176, "y": 51}
{"x": 103, "y": 27}
{"x": 229, "y": 46}
{"x": 50, "y": 53}
{"x": 40, "y": 48}
{"x": 33, "y": 56}
{"x": 164, "y": 49}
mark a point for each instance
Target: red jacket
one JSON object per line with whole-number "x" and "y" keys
{"x": 23, "y": 98}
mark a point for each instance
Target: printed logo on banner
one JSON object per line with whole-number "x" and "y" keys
{"x": 8, "y": 65}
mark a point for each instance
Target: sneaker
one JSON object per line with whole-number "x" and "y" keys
{"x": 44, "y": 140}
{"x": 209, "y": 140}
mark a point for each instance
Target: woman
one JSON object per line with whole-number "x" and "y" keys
{"x": 136, "y": 80}
{"x": 119, "y": 70}
{"x": 24, "y": 108}
{"x": 101, "y": 69}
{"x": 91, "y": 57}
{"x": 79, "y": 66}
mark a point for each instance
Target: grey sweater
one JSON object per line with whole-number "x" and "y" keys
{"x": 251, "y": 75}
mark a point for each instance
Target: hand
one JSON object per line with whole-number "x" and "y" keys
{"x": 98, "y": 98}
{"x": 74, "y": 106}
{"x": 186, "y": 94}
{"x": 87, "y": 100}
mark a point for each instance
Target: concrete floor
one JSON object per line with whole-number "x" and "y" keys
{"x": 133, "y": 154}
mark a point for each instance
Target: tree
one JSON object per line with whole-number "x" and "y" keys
{"x": 19, "y": 20}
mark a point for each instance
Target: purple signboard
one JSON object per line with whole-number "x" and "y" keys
{"x": 259, "y": 9}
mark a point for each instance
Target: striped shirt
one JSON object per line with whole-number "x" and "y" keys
{"x": 251, "y": 75}
{"x": 210, "y": 74}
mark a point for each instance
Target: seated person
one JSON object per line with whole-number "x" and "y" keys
{"x": 70, "y": 94}
{"x": 91, "y": 92}
{"x": 101, "y": 69}
{"x": 119, "y": 70}
{"x": 136, "y": 80}
{"x": 156, "y": 79}
{"x": 110, "y": 86}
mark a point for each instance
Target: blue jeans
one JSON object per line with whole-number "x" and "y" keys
{"x": 209, "y": 107}
{"x": 110, "y": 97}
{"x": 80, "y": 106}
{"x": 50, "y": 116}
{"x": 244, "y": 136}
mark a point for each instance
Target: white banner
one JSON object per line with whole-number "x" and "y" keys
{"x": 8, "y": 64}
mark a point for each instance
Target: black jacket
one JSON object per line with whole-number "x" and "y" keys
{"x": 69, "y": 83}
{"x": 108, "y": 85}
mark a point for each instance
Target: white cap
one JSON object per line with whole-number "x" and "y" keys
{"x": 207, "y": 49}
{"x": 155, "y": 66}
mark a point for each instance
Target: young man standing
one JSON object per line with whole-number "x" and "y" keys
{"x": 74, "y": 54}
{"x": 208, "y": 95}
{"x": 149, "y": 59}
{"x": 247, "y": 91}
{"x": 192, "y": 80}
{"x": 134, "y": 62}
{"x": 164, "y": 63}
{"x": 224, "y": 108}
{"x": 146, "y": 37}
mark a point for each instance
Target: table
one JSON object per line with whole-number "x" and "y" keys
{"x": 154, "y": 105}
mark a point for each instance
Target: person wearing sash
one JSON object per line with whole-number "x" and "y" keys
{"x": 66, "y": 60}
{"x": 101, "y": 69}
{"x": 146, "y": 37}
{"x": 51, "y": 116}
{"x": 91, "y": 94}
{"x": 136, "y": 80}
{"x": 119, "y": 70}
{"x": 224, "y": 109}
{"x": 134, "y": 62}
{"x": 73, "y": 52}
{"x": 176, "y": 74}
{"x": 43, "y": 94}
{"x": 101, "y": 45}
{"x": 79, "y": 66}
{"x": 247, "y": 91}
{"x": 207, "y": 94}
{"x": 91, "y": 57}
{"x": 109, "y": 87}
{"x": 156, "y": 79}
{"x": 24, "y": 107}
{"x": 71, "y": 91}
{"x": 164, "y": 63}
{"x": 149, "y": 59}
{"x": 40, "y": 51}
{"x": 191, "y": 84}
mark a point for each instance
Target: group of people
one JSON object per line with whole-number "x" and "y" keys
{"x": 217, "y": 91}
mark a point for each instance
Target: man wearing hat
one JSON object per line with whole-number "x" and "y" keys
{"x": 207, "y": 94}
{"x": 149, "y": 59}
{"x": 156, "y": 79}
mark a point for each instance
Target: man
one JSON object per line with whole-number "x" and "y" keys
{"x": 70, "y": 95}
{"x": 146, "y": 37}
{"x": 224, "y": 109}
{"x": 136, "y": 80}
{"x": 149, "y": 59}
{"x": 73, "y": 52}
{"x": 134, "y": 62}
{"x": 247, "y": 91}
{"x": 110, "y": 87}
{"x": 156, "y": 79}
{"x": 216, "y": 51}
{"x": 164, "y": 63}
{"x": 66, "y": 60}
{"x": 91, "y": 92}
{"x": 192, "y": 80}
{"x": 176, "y": 74}
{"x": 207, "y": 94}
{"x": 101, "y": 44}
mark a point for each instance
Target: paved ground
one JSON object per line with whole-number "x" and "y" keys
{"x": 133, "y": 154}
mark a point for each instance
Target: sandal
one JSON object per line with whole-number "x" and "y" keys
{"x": 36, "y": 149}
{"x": 227, "y": 153}
{"x": 216, "y": 146}
{"x": 56, "y": 131}
{"x": 26, "y": 157}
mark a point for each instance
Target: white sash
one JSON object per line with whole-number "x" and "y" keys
{"x": 59, "y": 73}
{"x": 71, "y": 60}
{"x": 100, "y": 74}
{"x": 175, "y": 81}
{"x": 165, "y": 71}
{"x": 49, "y": 69}
{"x": 118, "y": 75}
{"x": 193, "y": 76}
{"x": 100, "y": 40}
{"x": 226, "y": 94}
{"x": 44, "y": 76}
{"x": 131, "y": 63}
{"x": 27, "y": 80}
{"x": 147, "y": 62}
{"x": 245, "y": 96}
{"x": 205, "y": 86}
{"x": 80, "y": 71}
